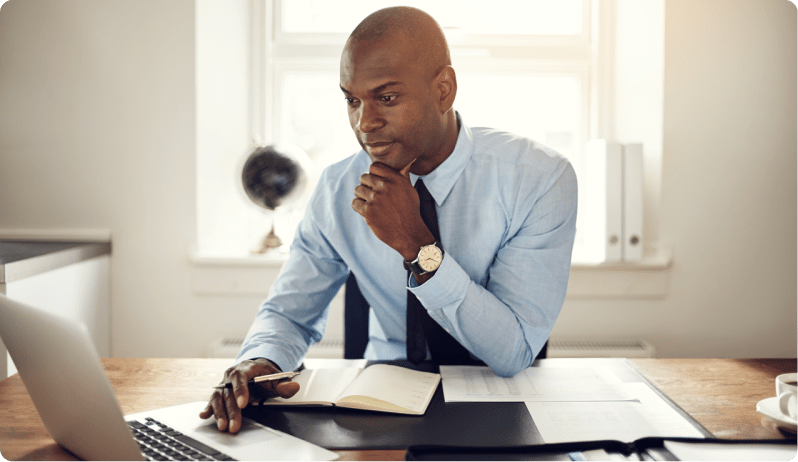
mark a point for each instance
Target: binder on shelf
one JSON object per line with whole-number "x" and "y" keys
{"x": 632, "y": 202}
{"x": 603, "y": 201}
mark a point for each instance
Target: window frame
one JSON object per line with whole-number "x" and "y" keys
{"x": 586, "y": 56}
{"x": 279, "y": 35}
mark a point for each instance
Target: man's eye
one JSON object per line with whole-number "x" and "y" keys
{"x": 387, "y": 98}
{"x": 350, "y": 101}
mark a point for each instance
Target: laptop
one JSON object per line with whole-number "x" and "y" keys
{"x": 62, "y": 372}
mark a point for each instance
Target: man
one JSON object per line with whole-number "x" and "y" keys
{"x": 490, "y": 270}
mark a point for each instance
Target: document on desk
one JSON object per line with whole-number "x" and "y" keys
{"x": 480, "y": 384}
{"x": 728, "y": 452}
{"x": 648, "y": 415}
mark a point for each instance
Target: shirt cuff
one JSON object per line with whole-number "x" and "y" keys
{"x": 447, "y": 288}
{"x": 265, "y": 351}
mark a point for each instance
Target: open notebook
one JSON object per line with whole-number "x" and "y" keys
{"x": 380, "y": 387}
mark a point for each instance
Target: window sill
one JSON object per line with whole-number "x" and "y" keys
{"x": 271, "y": 260}
{"x": 647, "y": 278}
{"x": 251, "y": 274}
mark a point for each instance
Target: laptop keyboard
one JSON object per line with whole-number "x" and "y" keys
{"x": 160, "y": 442}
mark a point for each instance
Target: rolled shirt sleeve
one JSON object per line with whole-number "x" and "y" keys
{"x": 506, "y": 322}
{"x": 294, "y": 315}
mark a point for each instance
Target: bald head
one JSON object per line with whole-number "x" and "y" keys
{"x": 421, "y": 34}
{"x": 399, "y": 87}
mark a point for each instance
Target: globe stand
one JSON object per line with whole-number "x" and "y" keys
{"x": 269, "y": 243}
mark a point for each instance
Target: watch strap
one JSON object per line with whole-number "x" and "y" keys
{"x": 414, "y": 267}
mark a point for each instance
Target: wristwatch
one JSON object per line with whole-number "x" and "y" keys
{"x": 428, "y": 260}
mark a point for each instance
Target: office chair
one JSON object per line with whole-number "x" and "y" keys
{"x": 356, "y": 322}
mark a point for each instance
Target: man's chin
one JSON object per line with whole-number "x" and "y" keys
{"x": 396, "y": 164}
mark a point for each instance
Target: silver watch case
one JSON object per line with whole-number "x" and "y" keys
{"x": 429, "y": 259}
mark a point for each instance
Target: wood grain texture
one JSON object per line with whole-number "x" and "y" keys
{"x": 720, "y": 393}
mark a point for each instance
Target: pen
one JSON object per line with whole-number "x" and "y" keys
{"x": 263, "y": 378}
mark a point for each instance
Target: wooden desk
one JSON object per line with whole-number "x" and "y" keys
{"x": 721, "y": 394}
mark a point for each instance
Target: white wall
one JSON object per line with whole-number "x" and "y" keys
{"x": 638, "y": 96}
{"x": 102, "y": 118}
{"x": 97, "y": 131}
{"x": 728, "y": 198}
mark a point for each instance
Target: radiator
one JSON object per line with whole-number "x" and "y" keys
{"x": 585, "y": 348}
{"x": 229, "y": 347}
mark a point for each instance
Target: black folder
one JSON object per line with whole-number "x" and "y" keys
{"x": 472, "y": 424}
{"x": 644, "y": 449}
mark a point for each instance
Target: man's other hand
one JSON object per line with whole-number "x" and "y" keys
{"x": 226, "y": 404}
{"x": 386, "y": 199}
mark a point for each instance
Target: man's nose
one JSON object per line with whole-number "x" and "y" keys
{"x": 369, "y": 118}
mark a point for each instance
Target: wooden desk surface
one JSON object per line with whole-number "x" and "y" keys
{"x": 721, "y": 394}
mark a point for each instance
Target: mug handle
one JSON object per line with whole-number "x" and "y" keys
{"x": 784, "y": 402}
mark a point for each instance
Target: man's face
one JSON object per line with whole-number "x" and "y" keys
{"x": 391, "y": 102}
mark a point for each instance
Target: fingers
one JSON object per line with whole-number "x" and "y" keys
{"x": 368, "y": 179}
{"x": 359, "y": 206}
{"x": 372, "y": 182}
{"x": 207, "y": 412}
{"x": 226, "y": 404}
{"x": 240, "y": 389}
{"x": 233, "y": 413}
{"x": 380, "y": 170}
{"x": 216, "y": 407}
{"x": 379, "y": 177}
{"x": 237, "y": 399}
{"x": 286, "y": 389}
{"x": 363, "y": 192}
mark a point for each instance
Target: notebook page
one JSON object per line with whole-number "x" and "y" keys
{"x": 321, "y": 385}
{"x": 397, "y": 385}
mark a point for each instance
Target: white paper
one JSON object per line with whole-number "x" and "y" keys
{"x": 712, "y": 451}
{"x": 480, "y": 384}
{"x": 649, "y": 415}
{"x": 602, "y": 455}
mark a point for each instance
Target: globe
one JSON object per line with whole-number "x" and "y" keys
{"x": 274, "y": 177}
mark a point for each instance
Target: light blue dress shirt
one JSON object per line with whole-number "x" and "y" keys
{"x": 506, "y": 211}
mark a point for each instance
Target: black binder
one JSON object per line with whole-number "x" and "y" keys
{"x": 644, "y": 449}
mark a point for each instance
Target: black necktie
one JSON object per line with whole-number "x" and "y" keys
{"x": 443, "y": 348}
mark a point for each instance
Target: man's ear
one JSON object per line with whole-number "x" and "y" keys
{"x": 447, "y": 88}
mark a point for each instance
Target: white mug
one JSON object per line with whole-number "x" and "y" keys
{"x": 786, "y": 390}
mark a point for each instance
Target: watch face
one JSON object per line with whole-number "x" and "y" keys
{"x": 430, "y": 258}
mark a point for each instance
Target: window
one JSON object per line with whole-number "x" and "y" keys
{"x": 525, "y": 66}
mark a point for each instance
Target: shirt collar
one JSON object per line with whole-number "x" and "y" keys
{"x": 440, "y": 181}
